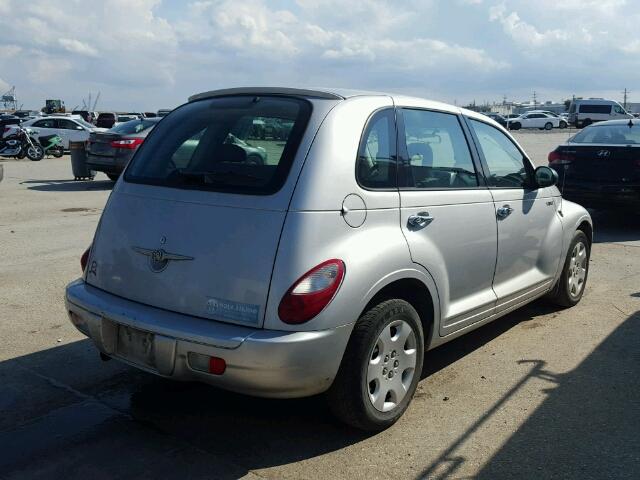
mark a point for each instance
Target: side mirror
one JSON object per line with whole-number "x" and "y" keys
{"x": 546, "y": 177}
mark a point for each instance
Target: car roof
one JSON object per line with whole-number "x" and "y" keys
{"x": 344, "y": 94}
{"x": 624, "y": 121}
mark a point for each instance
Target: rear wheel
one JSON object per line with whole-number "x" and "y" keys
{"x": 516, "y": 126}
{"x": 586, "y": 122}
{"x": 548, "y": 126}
{"x": 113, "y": 177}
{"x": 381, "y": 367}
{"x": 57, "y": 152}
{"x": 572, "y": 282}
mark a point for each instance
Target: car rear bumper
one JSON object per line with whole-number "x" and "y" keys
{"x": 267, "y": 363}
{"x": 603, "y": 196}
{"x": 108, "y": 164}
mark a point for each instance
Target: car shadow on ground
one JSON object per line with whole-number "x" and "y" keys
{"x": 587, "y": 428}
{"x": 67, "y": 185}
{"x": 615, "y": 226}
{"x": 64, "y": 412}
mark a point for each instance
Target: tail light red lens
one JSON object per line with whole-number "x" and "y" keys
{"x": 558, "y": 157}
{"x": 312, "y": 292}
{"x": 85, "y": 258}
{"x": 127, "y": 143}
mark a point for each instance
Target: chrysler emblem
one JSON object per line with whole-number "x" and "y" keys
{"x": 604, "y": 153}
{"x": 159, "y": 259}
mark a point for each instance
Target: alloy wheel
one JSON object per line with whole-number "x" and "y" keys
{"x": 392, "y": 365}
{"x": 577, "y": 269}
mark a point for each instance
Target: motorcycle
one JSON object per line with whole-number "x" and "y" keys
{"x": 19, "y": 143}
{"x": 52, "y": 145}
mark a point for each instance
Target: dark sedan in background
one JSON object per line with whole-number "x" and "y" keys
{"x": 599, "y": 167}
{"x": 110, "y": 151}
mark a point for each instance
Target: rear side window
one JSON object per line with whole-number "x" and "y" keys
{"x": 591, "y": 108}
{"x": 438, "y": 153}
{"x": 242, "y": 144}
{"x": 49, "y": 123}
{"x": 609, "y": 134}
{"x": 377, "y": 160}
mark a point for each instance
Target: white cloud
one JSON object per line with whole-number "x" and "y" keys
{"x": 76, "y": 46}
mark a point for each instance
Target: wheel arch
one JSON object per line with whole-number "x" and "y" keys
{"x": 416, "y": 292}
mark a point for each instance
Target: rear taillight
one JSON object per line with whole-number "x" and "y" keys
{"x": 128, "y": 143}
{"x": 559, "y": 157}
{"x": 85, "y": 258}
{"x": 312, "y": 292}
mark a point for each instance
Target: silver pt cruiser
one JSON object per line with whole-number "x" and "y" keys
{"x": 375, "y": 227}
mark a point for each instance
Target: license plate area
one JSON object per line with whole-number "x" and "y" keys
{"x": 136, "y": 346}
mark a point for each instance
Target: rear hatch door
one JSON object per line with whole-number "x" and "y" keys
{"x": 195, "y": 225}
{"x": 612, "y": 164}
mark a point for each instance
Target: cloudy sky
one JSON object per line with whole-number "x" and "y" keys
{"x": 150, "y": 54}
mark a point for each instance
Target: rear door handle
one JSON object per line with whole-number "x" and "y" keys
{"x": 504, "y": 211}
{"x": 420, "y": 220}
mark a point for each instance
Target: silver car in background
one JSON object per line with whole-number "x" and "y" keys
{"x": 377, "y": 227}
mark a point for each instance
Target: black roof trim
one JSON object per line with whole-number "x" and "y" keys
{"x": 297, "y": 92}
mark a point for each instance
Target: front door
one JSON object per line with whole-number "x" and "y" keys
{"x": 447, "y": 215}
{"x": 529, "y": 228}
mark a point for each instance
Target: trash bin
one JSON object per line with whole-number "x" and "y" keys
{"x": 79, "y": 162}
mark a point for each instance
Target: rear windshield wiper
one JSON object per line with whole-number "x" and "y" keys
{"x": 215, "y": 178}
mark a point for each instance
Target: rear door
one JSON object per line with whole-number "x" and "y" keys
{"x": 194, "y": 226}
{"x": 447, "y": 215}
{"x": 529, "y": 229}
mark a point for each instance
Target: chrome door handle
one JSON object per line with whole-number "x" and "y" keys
{"x": 504, "y": 211}
{"x": 420, "y": 220}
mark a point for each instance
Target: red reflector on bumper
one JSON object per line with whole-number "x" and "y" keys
{"x": 217, "y": 366}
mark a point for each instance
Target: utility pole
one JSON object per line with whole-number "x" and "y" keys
{"x": 535, "y": 99}
{"x": 625, "y": 93}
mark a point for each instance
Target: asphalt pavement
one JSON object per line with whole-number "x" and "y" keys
{"x": 540, "y": 393}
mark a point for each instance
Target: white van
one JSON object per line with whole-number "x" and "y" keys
{"x": 586, "y": 112}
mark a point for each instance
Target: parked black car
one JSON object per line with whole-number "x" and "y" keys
{"x": 599, "y": 167}
{"x": 8, "y": 120}
{"x": 498, "y": 118}
{"x": 110, "y": 151}
{"x": 106, "y": 119}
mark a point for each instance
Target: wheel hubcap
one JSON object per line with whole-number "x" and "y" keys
{"x": 577, "y": 269}
{"x": 392, "y": 365}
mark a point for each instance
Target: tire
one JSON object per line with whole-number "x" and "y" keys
{"x": 255, "y": 160}
{"x": 563, "y": 124}
{"x": 351, "y": 396}
{"x": 113, "y": 177}
{"x": 586, "y": 123}
{"x": 516, "y": 126}
{"x": 57, "y": 153}
{"x": 548, "y": 126}
{"x": 572, "y": 282}
{"x": 35, "y": 153}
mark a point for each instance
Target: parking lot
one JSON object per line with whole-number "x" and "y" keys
{"x": 540, "y": 393}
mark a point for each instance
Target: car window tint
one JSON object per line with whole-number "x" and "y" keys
{"x": 67, "y": 124}
{"x": 438, "y": 152}
{"x": 609, "y": 134}
{"x": 240, "y": 144}
{"x": 50, "y": 123}
{"x": 507, "y": 166}
{"x": 376, "y": 164}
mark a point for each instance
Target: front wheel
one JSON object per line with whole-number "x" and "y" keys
{"x": 35, "y": 153}
{"x": 548, "y": 126}
{"x": 563, "y": 124}
{"x": 570, "y": 287}
{"x": 381, "y": 367}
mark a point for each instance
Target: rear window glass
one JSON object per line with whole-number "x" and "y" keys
{"x": 609, "y": 134}
{"x": 241, "y": 144}
{"x": 590, "y": 108}
{"x": 135, "y": 126}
